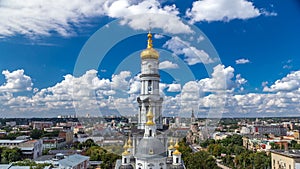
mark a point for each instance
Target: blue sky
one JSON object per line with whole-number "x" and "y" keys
{"x": 245, "y": 62}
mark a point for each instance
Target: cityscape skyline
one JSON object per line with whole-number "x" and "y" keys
{"x": 256, "y": 43}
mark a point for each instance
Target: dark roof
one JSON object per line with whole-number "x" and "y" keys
{"x": 177, "y": 166}
{"x": 289, "y": 153}
{"x": 126, "y": 167}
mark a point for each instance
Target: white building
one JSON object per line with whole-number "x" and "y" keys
{"x": 30, "y": 148}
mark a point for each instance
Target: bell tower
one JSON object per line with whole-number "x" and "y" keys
{"x": 150, "y": 79}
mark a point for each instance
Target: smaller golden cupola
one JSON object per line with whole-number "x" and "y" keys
{"x": 177, "y": 152}
{"x": 150, "y": 52}
{"x": 129, "y": 143}
{"x": 126, "y": 152}
{"x": 171, "y": 142}
{"x": 150, "y": 118}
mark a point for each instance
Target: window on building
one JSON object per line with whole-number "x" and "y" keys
{"x": 125, "y": 160}
{"x": 177, "y": 160}
{"x": 150, "y": 133}
{"x": 150, "y": 85}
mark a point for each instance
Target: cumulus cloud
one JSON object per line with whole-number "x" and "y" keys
{"x": 43, "y": 18}
{"x": 158, "y": 36}
{"x": 192, "y": 54}
{"x": 16, "y": 81}
{"x": 174, "y": 88}
{"x": 289, "y": 83}
{"x": 222, "y": 79}
{"x": 242, "y": 61}
{"x": 221, "y": 10}
{"x": 91, "y": 94}
{"x": 167, "y": 65}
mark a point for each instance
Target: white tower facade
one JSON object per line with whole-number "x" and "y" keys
{"x": 150, "y": 79}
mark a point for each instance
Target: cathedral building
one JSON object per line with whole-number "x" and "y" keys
{"x": 149, "y": 147}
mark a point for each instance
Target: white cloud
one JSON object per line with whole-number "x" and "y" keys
{"x": 222, "y": 10}
{"x": 167, "y": 65}
{"x": 289, "y": 83}
{"x": 158, "y": 36}
{"x": 16, "y": 81}
{"x": 242, "y": 61}
{"x": 174, "y": 88}
{"x": 135, "y": 85}
{"x": 192, "y": 54}
{"x": 120, "y": 81}
{"x": 40, "y": 17}
{"x": 90, "y": 94}
{"x": 222, "y": 79}
{"x": 43, "y": 18}
{"x": 200, "y": 38}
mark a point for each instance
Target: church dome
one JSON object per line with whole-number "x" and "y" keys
{"x": 150, "y": 52}
{"x": 149, "y": 148}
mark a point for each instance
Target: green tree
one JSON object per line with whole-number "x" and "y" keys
{"x": 297, "y": 146}
{"x": 36, "y": 134}
{"x": 274, "y": 146}
{"x": 88, "y": 143}
{"x": 10, "y": 155}
{"x": 97, "y": 153}
{"x": 200, "y": 159}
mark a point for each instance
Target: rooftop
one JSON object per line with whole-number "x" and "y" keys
{"x": 289, "y": 153}
{"x": 11, "y": 141}
{"x": 73, "y": 160}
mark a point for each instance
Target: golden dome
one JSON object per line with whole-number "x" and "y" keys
{"x": 150, "y": 52}
{"x": 125, "y": 150}
{"x": 171, "y": 147}
{"x": 150, "y": 118}
{"x": 176, "y": 152}
{"x": 129, "y": 142}
{"x": 125, "y": 153}
{"x": 176, "y": 145}
{"x": 171, "y": 142}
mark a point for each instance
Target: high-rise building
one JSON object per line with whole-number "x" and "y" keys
{"x": 150, "y": 79}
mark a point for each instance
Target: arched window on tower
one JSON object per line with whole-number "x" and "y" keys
{"x": 150, "y": 86}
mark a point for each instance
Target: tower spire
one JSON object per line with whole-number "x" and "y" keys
{"x": 150, "y": 45}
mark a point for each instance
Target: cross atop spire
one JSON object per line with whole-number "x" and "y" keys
{"x": 150, "y": 45}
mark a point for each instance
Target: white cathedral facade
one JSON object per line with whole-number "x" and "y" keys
{"x": 150, "y": 148}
